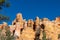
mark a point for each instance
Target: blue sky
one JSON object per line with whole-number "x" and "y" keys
{"x": 32, "y": 8}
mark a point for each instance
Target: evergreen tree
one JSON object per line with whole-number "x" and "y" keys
{"x": 37, "y": 34}
{"x": 4, "y": 3}
{"x": 9, "y": 36}
{"x": 44, "y": 35}
{"x": 3, "y": 17}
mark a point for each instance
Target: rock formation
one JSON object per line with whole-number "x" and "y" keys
{"x": 33, "y": 29}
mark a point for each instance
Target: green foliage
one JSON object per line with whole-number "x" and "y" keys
{"x": 8, "y": 5}
{"x": 58, "y": 36}
{"x": 8, "y": 35}
{"x": 2, "y": 17}
{"x": 1, "y": 2}
{"x": 4, "y": 3}
{"x": 2, "y": 37}
{"x": 44, "y": 35}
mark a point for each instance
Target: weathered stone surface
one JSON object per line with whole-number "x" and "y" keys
{"x": 12, "y": 28}
{"x": 30, "y": 23}
{"x": 28, "y": 34}
{"x": 24, "y": 29}
{"x": 57, "y": 19}
{"x": 17, "y": 30}
{"x": 0, "y": 26}
{"x": 37, "y": 20}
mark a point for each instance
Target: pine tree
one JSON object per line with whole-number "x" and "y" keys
{"x": 9, "y": 36}
{"x": 37, "y": 34}
{"x": 4, "y": 3}
{"x": 44, "y": 35}
{"x": 2, "y": 36}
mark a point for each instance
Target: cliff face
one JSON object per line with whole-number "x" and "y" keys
{"x": 26, "y": 30}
